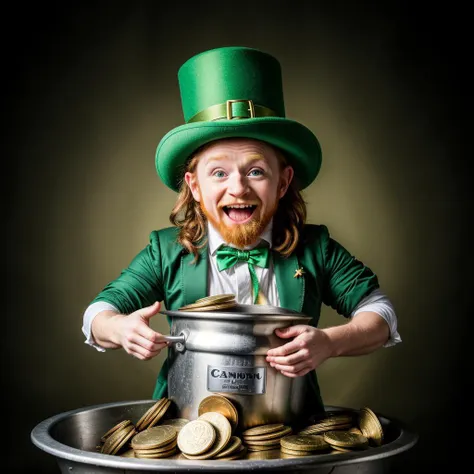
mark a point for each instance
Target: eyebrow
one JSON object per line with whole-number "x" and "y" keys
{"x": 248, "y": 159}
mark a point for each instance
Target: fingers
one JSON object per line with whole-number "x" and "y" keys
{"x": 144, "y": 343}
{"x": 291, "y": 331}
{"x": 296, "y": 370}
{"x": 147, "y": 333}
{"x": 292, "y": 359}
{"x": 148, "y": 311}
{"x": 144, "y": 349}
{"x": 292, "y": 346}
{"x": 144, "y": 316}
{"x": 294, "y": 375}
{"x": 285, "y": 349}
{"x": 138, "y": 338}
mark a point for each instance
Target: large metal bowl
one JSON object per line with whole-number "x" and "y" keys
{"x": 72, "y": 437}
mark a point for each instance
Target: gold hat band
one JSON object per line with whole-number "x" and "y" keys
{"x": 225, "y": 111}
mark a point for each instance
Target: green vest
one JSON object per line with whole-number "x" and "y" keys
{"x": 165, "y": 271}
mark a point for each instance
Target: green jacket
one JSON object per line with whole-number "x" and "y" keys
{"x": 164, "y": 271}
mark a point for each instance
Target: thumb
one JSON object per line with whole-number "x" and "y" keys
{"x": 148, "y": 311}
{"x": 290, "y": 331}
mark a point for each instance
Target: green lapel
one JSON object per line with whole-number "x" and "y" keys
{"x": 290, "y": 289}
{"x": 194, "y": 276}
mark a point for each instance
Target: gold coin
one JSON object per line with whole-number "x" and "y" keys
{"x": 342, "y": 415}
{"x": 210, "y": 300}
{"x": 370, "y": 426}
{"x": 276, "y": 434}
{"x": 240, "y": 453}
{"x": 142, "y": 423}
{"x": 117, "y": 439}
{"x": 345, "y": 439}
{"x": 176, "y": 423}
{"x": 159, "y": 414}
{"x": 223, "y": 430}
{"x": 161, "y": 449}
{"x": 292, "y": 456}
{"x": 111, "y": 440}
{"x": 261, "y": 429}
{"x": 124, "y": 441}
{"x": 234, "y": 444}
{"x": 223, "y": 433}
{"x": 263, "y": 442}
{"x": 196, "y": 437}
{"x": 129, "y": 453}
{"x": 154, "y": 437}
{"x": 334, "y": 423}
{"x": 334, "y": 419}
{"x": 216, "y": 298}
{"x": 213, "y": 307}
{"x": 339, "y": 449}
{"x": 322, "y": 428}
{"x": 236, "y": 454}
{"x": 304, "y": 442}
{"x": 255, "y": 448}
{"x": 267, "y": 454}
{"x": 116, "y": 427}
{"x": 163, "y": 454}
{"x": 296, "y": 452}
{"x": 220, "y": 404}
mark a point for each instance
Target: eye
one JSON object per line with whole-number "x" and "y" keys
{"x": 256, "y": 172}
{"x": 218, "y": 174}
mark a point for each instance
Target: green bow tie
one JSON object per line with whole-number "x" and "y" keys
{"x": 228, "y": 256}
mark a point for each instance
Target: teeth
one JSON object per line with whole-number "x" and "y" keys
{"x": 240, "y": 206}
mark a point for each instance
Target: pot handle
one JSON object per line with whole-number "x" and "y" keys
{"x": 176, "y": 339}
{"x": 179, "y": 341}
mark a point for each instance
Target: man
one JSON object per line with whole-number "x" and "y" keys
{"x": 239, "y": 165}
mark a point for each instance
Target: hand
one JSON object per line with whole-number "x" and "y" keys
{"x": 308, "y": 350}
{"x": 136, "y": 336}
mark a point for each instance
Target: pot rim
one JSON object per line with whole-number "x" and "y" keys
{"x": 243, "y": 312}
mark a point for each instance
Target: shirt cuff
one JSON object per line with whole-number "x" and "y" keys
{"x": 89, "y": 314}
{"x": 379, "y": 303}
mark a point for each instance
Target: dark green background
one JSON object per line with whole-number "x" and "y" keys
{"x": 89, "y": 92}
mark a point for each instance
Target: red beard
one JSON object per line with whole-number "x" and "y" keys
{"x": 241, "y": 235}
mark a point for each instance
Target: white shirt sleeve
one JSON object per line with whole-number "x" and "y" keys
{"x": 89, "y": 315}
{"x": 380, "y": 304}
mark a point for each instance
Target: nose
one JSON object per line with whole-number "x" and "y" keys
{"x": 238, "y": 185}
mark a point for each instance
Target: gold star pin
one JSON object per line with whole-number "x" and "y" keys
{"x": 298, "y": 272}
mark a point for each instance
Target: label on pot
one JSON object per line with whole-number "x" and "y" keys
{"x": 236, "y": 379}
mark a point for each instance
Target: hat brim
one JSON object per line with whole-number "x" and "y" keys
{"x": 299, "y": 144}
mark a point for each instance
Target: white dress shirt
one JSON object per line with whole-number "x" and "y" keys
{"x": 236, "y": 280}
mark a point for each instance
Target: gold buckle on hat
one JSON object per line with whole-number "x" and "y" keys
{"x": 224, "y": 111}
{"x": 229, "y": 103}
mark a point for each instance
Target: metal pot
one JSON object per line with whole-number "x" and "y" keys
{"x": 224, "y": 352}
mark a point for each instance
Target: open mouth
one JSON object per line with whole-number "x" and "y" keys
{"x": 240, "y": 212}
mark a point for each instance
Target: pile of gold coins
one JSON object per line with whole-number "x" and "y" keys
{"x": 155, "y": 442}
{"x": 265, "y": 437}
{"x": 215, "y": 435}
{"x": 146, "y": 438}
{"x": 211, "y": 303}
{"x": 117, "y": 437}
{"x": 209, "y": 437}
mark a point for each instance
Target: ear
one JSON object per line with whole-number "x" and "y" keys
{"x": 192, "y": 182}
{"x": 285, "y": 179}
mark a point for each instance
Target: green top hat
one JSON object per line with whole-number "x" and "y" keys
{"x": 235, "y": 92}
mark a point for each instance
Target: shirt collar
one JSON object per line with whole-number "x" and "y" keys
{"x": 215, "y": 239}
